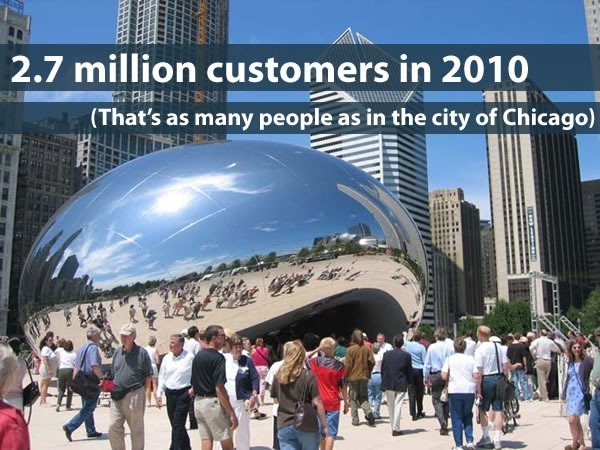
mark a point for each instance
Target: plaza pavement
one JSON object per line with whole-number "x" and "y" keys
{"x": 540, "y": 427}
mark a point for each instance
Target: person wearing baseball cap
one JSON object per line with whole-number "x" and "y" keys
{"x": 132, "y": 371}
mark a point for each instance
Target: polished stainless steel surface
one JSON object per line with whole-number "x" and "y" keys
{"x": 243, "y": 224}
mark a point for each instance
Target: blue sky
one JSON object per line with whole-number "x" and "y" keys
{"x": 454, "y": 160}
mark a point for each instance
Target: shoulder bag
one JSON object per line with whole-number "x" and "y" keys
{"x": 587, "y": 397}
{"x": 84, "y": 383}
{"x": 305, "y": 414}
{"x": 444, "y": 393}
{"x": 505, "y": 390}
{"x": 31, "y": 392}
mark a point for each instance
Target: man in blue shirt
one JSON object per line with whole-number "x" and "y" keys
{"x": 416, "y": 389}
{"x": 434, "y": 361}
{"x": 91, "y": 364}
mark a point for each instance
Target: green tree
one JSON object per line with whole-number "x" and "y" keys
{"x": 509, "y": 317}
{"x": 235, "y": 264}
{"x": 468, "y": 324}
{"x": 221, "y": 267}
{"x": 591, "y": 312}
{"x": 318, "y": 249}
{"x": 573, "y": 314}
{"x": 271, "y": 257}
{"x": 303, "y": 253}
{"x": 207, "y": 270}
{"x": 427, "y": 330}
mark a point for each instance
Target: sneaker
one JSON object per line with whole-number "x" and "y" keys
{"x": 485, "y": 443}
{"x": 67, "y": 433}
{"x": 370, "y": 419}
{"x": 95, "y": 434}
{"x": 444, "y": 432}
{"x": 457, "y": 448}
{"x": 470, "y": 446}
{"x": 355, "y": 423}
{"x": 497, "y": 445}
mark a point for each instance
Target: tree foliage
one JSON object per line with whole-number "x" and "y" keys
{"x": 591, "y": 312}
{"x": 468, "y": 324}
{"x": 427, "y": 330}
{"x": 509, "y": 317}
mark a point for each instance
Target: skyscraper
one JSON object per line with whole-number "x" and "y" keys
{"x": 488, "y": 260}
{"x": 46, "y": 181}
{"x": 592, "y": 20}
{"x": 398, "y": 161}
{"x": 455, "y": 233}
{"x": 148, "y": 22}
{"x": 536, "y": 207}
{"x": 14, "y": 29}
{"x": 591, "y": 217}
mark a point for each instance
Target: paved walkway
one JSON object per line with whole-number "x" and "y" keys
{"x": 540, "y": 427}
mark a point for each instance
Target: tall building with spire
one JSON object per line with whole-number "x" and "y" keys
{"x": 537, "y": 218}
{"x": 397, "y": 160}
{"x": 149, "y": 22}
{"x": 15, "y": 28}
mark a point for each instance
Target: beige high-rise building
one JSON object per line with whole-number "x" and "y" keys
{"x": 455, "y": 233}
{"x": 535, "y": 192}
{"x": 14, "y": 29}
{"x": 592, "y": 20}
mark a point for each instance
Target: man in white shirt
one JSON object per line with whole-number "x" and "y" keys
{"x": 174, "y": 380}
{"x": 192, "y": 345}
{"x": 492, "y": 364}
{"x": 541, "y": 349}
{"x": 471, "y": 344}
{"x": 383, "y": 346}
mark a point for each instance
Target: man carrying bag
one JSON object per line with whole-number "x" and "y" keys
{"x": 88, "y": 366}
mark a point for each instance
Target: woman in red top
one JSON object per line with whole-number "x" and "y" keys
{"x": 260, "y": 355}
{"x": 14, "y": 434}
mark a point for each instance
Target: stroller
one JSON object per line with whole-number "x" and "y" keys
{"x": 106, "y": 386}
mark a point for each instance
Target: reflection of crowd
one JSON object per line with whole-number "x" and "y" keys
{"x": 285, "y": 284}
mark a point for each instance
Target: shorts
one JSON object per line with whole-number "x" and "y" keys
{"x": 154, "y": 371}
{"x": 333, "y": 422}
{"x": 488, "y": 392}
{"x": 213, "y": 422}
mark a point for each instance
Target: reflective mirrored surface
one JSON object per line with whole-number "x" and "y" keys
{"x": 262, "y": 235}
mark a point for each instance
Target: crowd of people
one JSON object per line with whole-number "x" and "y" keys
{"x": 218, "y": 380}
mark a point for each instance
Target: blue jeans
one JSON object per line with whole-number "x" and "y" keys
{"x": 595, "y": 420}
{"x": 86, "y": 414}
{"x": 292, "y": 439}
{"x": 375, "y": 393}
{"x": 461, "y": 412}
{"x": 520, "y": 381}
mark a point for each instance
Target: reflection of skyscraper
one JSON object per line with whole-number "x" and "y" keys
{"x": 398, "y": 161}
{"x": 536, "y": 207}
{"x": 359, "y": 229}
{"x": 14, "y": 30}
{"x": 455, "y": 233}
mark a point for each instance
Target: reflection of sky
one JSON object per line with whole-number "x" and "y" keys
{"x": 175, "y": 212}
